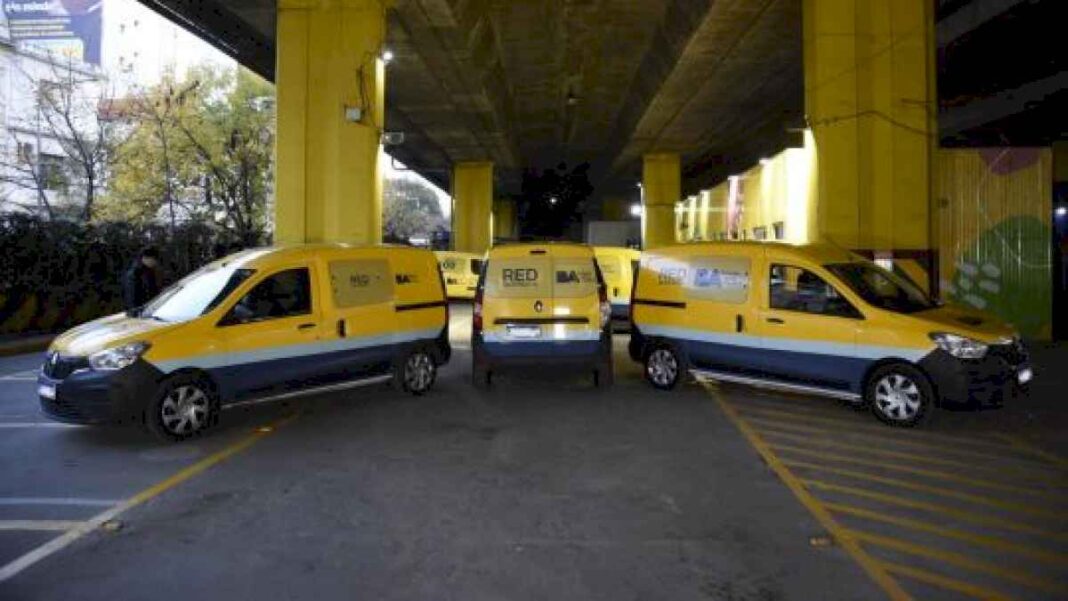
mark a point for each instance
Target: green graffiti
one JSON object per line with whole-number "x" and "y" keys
{"x": 1007, "y": 272}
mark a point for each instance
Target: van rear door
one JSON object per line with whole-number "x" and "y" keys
{"x": 518, "y": 298}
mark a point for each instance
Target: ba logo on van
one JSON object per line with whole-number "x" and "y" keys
{"x": 405, "y": 278}
{"x": 573, "y": 277}
{"x": 359, "y": 280}
{"x": 671, "y": 276}
{"x": 519, "y": 277}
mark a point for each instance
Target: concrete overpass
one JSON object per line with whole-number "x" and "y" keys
{"x": 676, "y": 93}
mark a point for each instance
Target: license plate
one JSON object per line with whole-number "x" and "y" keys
{"x": 524, "y": 332}
{"x": 47, "y": 391}
{"x": 1024, "y": 375}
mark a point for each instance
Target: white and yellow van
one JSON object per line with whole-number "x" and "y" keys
{"x": 618, "y": 266}
{"x": 541, "y": 304}
{"x": 259, "y": 324}
{"x": 460, "y": 271}
{"x": 816, "y": 319}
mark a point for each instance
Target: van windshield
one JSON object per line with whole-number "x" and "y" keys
{"x": 881, "y": 288}
{"x": 196, "y": 294}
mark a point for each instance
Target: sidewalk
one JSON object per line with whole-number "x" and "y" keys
{"x": 13, "y": 344}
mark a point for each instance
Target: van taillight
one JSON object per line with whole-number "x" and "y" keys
{"x": 476, "y": 312}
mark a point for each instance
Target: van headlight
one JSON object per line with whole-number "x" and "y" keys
{"x": 960, "y": 347}
{"x": 118, "y": 357}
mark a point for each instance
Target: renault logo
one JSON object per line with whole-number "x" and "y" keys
{"x": 538, "y": 306}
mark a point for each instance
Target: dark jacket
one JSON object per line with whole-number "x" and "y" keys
{"x": 140, "y": 284}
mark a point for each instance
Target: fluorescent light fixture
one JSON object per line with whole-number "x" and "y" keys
{"x": 387, "y": 55}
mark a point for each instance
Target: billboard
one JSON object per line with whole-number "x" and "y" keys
{"x": 66, "y": 27}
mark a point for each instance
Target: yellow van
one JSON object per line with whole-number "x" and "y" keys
{"x": 541, "y": 304}
{"x": 257, "y": 325}
{"x": 816, "y": 319}
{"x": 460, "y": 271}
{"x": 618, "y": 266}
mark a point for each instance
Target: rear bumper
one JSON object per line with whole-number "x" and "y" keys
{"x": 621, "y": 311}
{"x": 991, "y": 380}
{"x": 558, "y": 353}
{"x": 100, "y": 397}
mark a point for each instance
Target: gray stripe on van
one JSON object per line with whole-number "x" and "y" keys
{"x": 216, "y": 360}
{"x": 794, "y": 345}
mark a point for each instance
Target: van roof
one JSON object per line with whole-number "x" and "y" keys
{"x": 820, "y": 252}
{"x": 258, "y": 257}
{"x": 554, "y": 249}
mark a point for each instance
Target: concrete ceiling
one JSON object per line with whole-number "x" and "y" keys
{"x": 528, "y": 84}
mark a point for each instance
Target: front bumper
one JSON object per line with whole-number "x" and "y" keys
{"x": 992, "y": 380}
{"x": 87, "y": 396}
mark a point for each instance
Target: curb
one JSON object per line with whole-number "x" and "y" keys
{"x": 33, "y": 344}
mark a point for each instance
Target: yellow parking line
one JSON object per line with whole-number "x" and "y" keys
{"x": 915, "y": 470}
{"x": 896, "y": 441}
{"x": 970, "y": 537}
{"x": 985, "y": 520}
{"x": 1032, "y": 449}
{"x": 842, "y": 536}
{"x": 879, "y": 450}
{"x": 858, "y": 425}
{"x": 61, "y": 542}
{"x": 945, "y": 492}
{"x": 961, "y": 561}
{"x": 966, "y": 588}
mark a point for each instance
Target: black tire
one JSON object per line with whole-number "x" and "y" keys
{"x": 663, "y": 367}
{"x": 899, "y": 395}
{"x": 416, "y": 372}
{"x": 184, "y": 406}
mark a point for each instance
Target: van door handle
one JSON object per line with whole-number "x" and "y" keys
{"x": 306, "y": 326}
{"x": 739, "y": 323}
{"x": 775, "y": 320}
{"x": 341, "y": 331}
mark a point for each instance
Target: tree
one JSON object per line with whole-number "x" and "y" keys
{"x": 68, "y": 124}
{"x": 410, "y": 209}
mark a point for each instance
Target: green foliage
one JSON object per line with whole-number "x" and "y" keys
{"x": 410, "y": 208}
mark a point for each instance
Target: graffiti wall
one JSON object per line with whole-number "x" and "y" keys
{"x": 993, "y": 231}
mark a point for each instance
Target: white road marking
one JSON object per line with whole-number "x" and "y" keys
{"x": 13, "y": 425}
{"x": 29, "y": 375}
{"x": 75, "y": 501}
{"x": 48, "y": 525}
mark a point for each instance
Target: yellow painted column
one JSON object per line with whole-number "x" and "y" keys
{"x": 504, "y": 219}
{"x": 661, "y": 189}
{"x": 870, "y": 100}
{"x": 472, "y": 206}
{"x": 703, "y": 214}
{"x": 330, "y": 85}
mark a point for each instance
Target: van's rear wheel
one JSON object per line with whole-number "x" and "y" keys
{"x": 662, "y": 367}
{"x": 899, "y": 395}
{"x": 418, "y": 372}
{"x": 184, "y": 407}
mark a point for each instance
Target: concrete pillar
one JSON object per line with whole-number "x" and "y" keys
{"x": 330, "y": 87}
{"x": 504, "y": 219}
{"x": 472, "y": 207}
{"x": 661, "y": 189}
{"x": 870, "y": 100}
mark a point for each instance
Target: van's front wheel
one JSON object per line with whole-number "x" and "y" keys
{"x": 899, "y": 395}
{"x": 184, "y": 407}
{"x": 662, "y": 368}
{"x": 418, "y": 372}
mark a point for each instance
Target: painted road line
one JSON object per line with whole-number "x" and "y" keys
{"x": 918, "y": 471}
{"x": 1032, "y": 449}
{"x": 917, "y": 486}
{"x": 863, "y": 426}
{"x": 992, "y": 542}
{"x": 69, "y": 501}
{"x": 56, "y": 525}
{"x": 16, "y": 425}
{"x": 961, "y": 561}
{"x": 842, "y": 536}
{"x": 991, "y": 521}
{"x": 1030, "y": 476}
{"x": 57, "y": 544}
{"x": 965, "y": 588}
{"x": 897, "y": 441}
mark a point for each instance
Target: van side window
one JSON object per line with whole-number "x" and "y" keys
{"x": 284, "y": 294}
{"x": 355, "y": 283}
{"x": 796, "y": 289}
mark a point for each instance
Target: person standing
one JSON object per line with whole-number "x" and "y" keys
{"x": 141, "y": 282}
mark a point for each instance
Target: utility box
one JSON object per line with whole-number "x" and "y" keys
{"x": 614, "y": 233}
